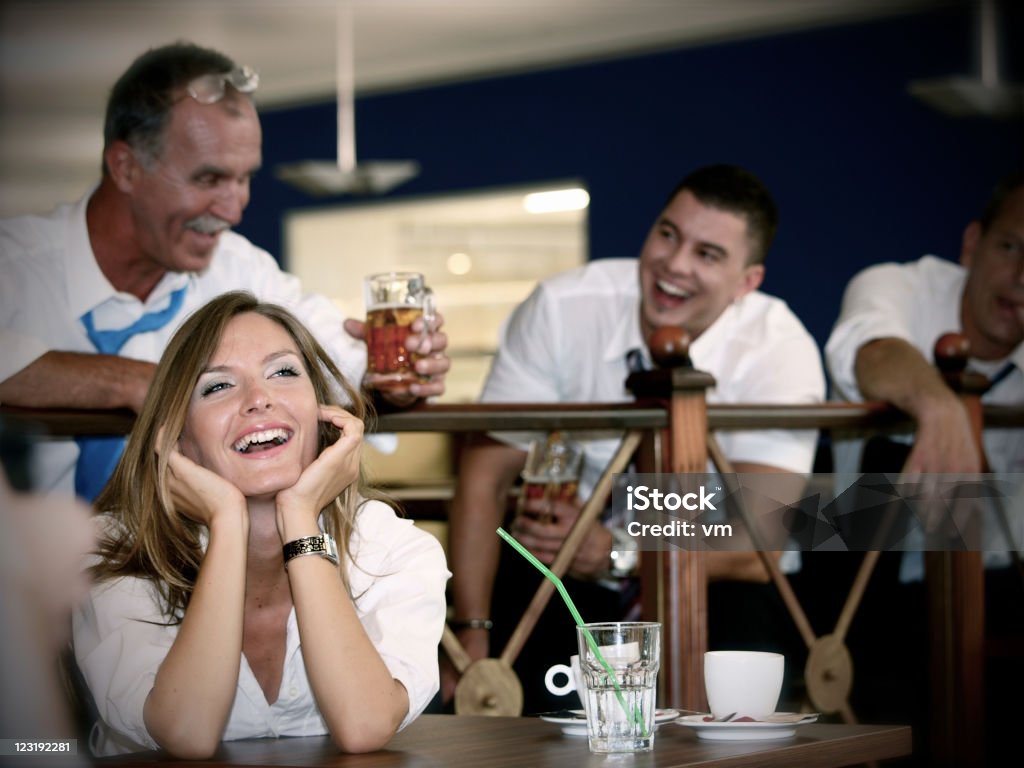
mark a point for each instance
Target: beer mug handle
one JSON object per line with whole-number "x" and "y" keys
{"x": 429, "y": 313}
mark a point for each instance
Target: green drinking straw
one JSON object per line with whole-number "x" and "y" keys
{"x": 634, "y": 716}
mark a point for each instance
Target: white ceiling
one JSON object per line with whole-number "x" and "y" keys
{"x": 58, "y": 58}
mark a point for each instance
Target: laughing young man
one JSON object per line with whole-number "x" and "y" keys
{"x": 575, "y": 339}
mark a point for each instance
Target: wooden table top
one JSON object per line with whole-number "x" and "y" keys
{"x": 451, "y": 741}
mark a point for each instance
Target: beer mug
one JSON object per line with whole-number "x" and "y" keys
{"x": 551, "y": 473}
{"x": 393, "y": 302}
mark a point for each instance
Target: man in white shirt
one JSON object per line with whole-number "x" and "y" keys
{"x": 892, "y": 314}
{"x": 881, "y": 348}
{"x": 181, "y": 142}
{"x": 699, "y": 269}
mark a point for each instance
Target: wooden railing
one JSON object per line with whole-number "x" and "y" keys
{"x": 873, "y": 416}
{"x": 674, "y": 584}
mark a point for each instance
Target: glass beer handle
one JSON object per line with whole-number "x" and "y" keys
{"x": 429, "y": 313}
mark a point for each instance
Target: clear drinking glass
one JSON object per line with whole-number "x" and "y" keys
{"x": 621, "y": 696}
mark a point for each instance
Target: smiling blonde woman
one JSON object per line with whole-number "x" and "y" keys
{"x": 247, "y": 583}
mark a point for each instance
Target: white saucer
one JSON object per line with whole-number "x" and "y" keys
{"x": 577, "y": 724}
{"x": 742, "y": 730}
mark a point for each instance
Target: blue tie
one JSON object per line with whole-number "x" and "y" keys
{"x": 99, "y": 455}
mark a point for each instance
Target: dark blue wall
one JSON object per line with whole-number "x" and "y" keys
{"x": 862, "y": 171}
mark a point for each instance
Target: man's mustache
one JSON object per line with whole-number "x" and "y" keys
{"x": 208, "y": 224}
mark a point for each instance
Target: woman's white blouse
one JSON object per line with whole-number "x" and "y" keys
{"x": 398, "y": 577}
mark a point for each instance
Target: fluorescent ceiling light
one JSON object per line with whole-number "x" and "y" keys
{"x": 556, "y": 200}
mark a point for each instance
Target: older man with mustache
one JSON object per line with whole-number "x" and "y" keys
{"x": 93, "y": 291}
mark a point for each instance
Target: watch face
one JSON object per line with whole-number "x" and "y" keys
{"x": 330, "y": 548}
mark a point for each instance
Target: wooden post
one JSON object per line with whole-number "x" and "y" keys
{"x": 956, "y": 618}
{"x": 677, "y": 578}
{"x": 956, "y": 603}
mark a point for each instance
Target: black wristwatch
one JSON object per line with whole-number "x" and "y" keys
{"x": 323, "y": 545}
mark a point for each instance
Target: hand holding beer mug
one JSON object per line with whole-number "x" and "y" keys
{"x": 394, "y": 301}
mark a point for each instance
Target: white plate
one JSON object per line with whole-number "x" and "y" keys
{"x": 742, "y": 731}
{"x": 577, "y": 724}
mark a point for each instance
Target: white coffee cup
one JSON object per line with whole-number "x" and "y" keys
{"x": 743, "y": 683}
{"x": 616, "y": 655}
{"x": 573, "y": 678}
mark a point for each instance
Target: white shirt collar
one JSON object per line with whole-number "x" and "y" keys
{"x": 87, "y": 286}
{"x": 627, "y": 336}
{"x": 91, "y": 288}
{"x": 717, "y": 333}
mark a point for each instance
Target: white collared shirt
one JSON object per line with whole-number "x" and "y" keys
{"x": 918, "y": 302}
{"x": 121, "y": 638}
{"x": 569, "y": 340}
{"x": 51, "y": 279}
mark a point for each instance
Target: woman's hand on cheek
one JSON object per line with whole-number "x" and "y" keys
{"x": 330, "y": 473}
{"x": 198, "y": 493}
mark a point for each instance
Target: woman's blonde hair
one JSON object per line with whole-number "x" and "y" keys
{"x": 153, "y": 541}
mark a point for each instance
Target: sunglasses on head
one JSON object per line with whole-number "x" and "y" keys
{"x": 209, "y": 89}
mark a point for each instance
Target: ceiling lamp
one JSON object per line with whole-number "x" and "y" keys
{"x": 984, "y": 95}
{"x": 346, "y": 176}
{"x": 556, "y": 201}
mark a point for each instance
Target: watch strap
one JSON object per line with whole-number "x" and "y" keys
{"x": 322, "y": 545}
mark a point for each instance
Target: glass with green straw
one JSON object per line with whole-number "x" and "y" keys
{"x": 619, "y": 662}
